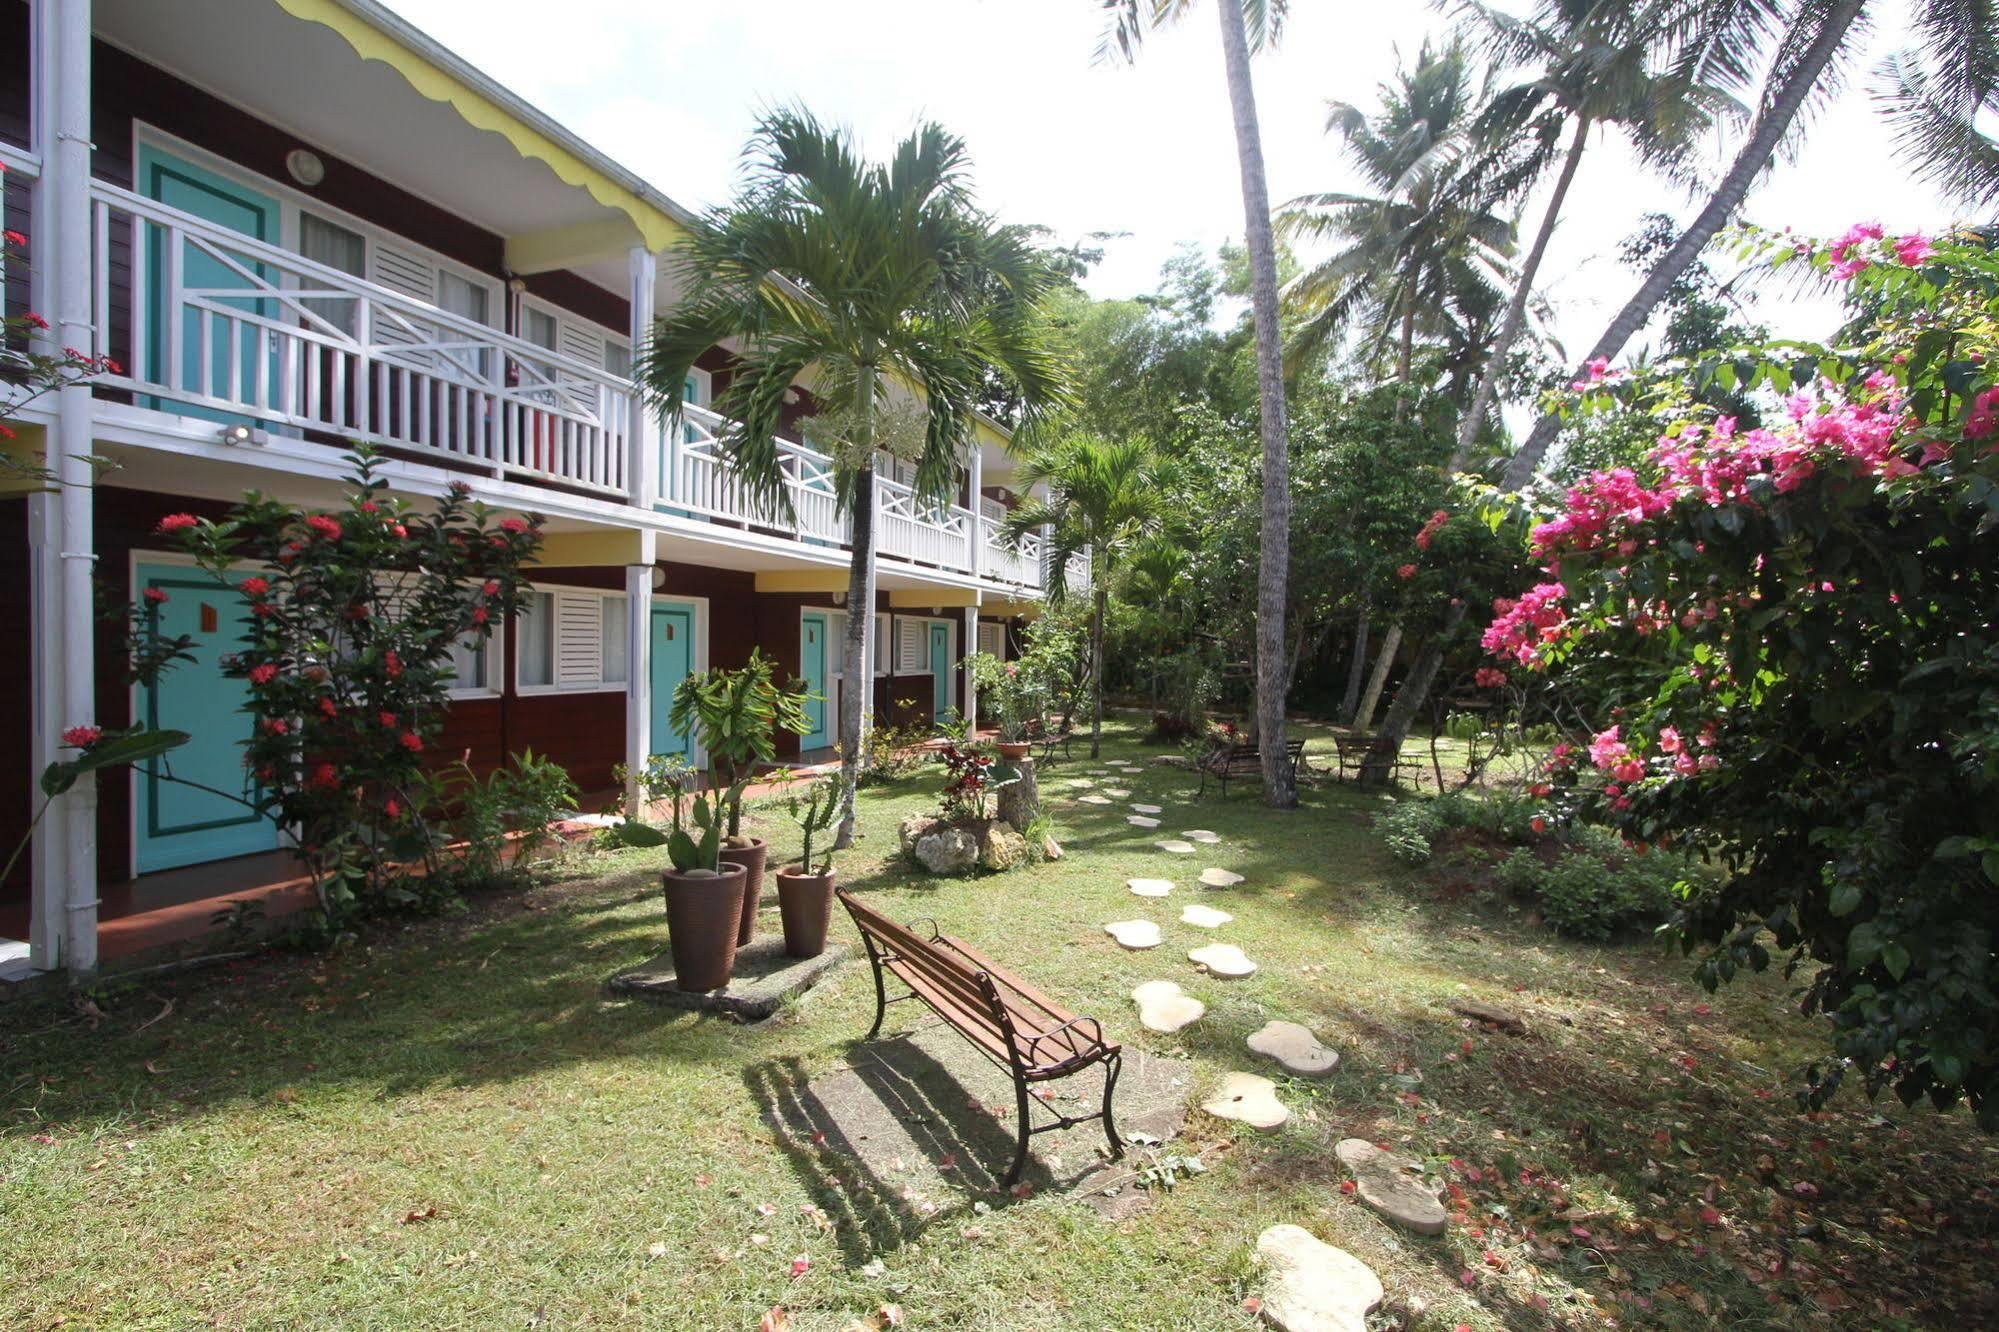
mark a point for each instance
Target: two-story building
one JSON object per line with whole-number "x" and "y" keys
{"x": 299, "y": 223}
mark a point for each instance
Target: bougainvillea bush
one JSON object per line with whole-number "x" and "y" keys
{"x": 350, "y": 618}
{"x": 1788, "y": 635}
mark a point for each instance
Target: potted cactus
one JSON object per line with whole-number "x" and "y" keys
{"x": 704, "y": 894}
{"x": 805, "y": 890}
{"x": 736, "y": 715}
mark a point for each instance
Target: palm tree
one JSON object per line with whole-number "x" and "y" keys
{"x": 1934, "y": 116}
{"x": 1724, "y": 43}
{"x": 1589, "y": 65}
{"x": 862, "y": 275}
{"x": 1248, "y": 25}
{"x": 1424, "y": 241}
{"x": 1099, "y": 496}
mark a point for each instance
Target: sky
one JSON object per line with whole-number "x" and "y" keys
{"x": 672, "y": 90}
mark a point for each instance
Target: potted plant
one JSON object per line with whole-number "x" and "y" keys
{"x": 735, "y": 716}
{"x": 1012, "y": 699}
{"x": 805, "y": 890}
{"x": 704, "y": 894}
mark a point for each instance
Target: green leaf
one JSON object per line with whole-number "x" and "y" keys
{"x": 1846, "y": 897}
{"x": 1863, "y": 945}
{"x": 112, "y": 752}
{"x": 1896, "y": 959}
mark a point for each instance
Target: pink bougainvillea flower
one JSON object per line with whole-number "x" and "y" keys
{"x": 1913, "y": 248}
{"x": 1607, "y": 748}
{"x": 1669, "y": 740}
{"x": 82, "y": 737}
{"x": 1685, "y": 765}
{"x": 176, "y": 522}
{"x": 1629, "y": 771}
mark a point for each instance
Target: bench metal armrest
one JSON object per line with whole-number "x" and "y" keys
{"x": 915, "y": 927}
{"x": 1096, "y": 1034}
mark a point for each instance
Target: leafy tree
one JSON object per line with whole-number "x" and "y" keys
{"x": 863, "y": 275}
{"x": 1791, "y": 632}
{"x": 1246, "y": 26}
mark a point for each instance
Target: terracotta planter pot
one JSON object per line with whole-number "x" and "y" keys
{"x": 702, "y": 914}
{"x": 805, "y": 901}
{"x": 751, "y": 858}
{"x": 1014, "y": 750}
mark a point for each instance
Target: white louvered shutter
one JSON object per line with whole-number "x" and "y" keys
{"x": 408, "y": 274}
{"x": 992, "y": 640}
{"x": 912, "y": 647}
{"x": 579, "y": 639}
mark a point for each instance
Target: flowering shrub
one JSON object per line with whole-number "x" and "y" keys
{"x": 1788, "y": 632}
{"x": 971, "y": 778}
{"x": 348, "y": 632}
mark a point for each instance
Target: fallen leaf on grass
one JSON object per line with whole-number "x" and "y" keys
{"x": 1252, "y": 1305}
{"x": 657, "y": 1249}
{"x": 775, "y": 1319}
{"x": 428, "y": 1212}
{"x": 800, "y": 1266}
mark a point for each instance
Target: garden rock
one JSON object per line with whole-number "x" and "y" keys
{"x": 1224, "y": 960}
{"x": 1310, "y": 1286}
{"x": 1205, "y": 917}
{"x": 1150, "y": 887}
{"x": 1220, "y": 878}
{"x": 1390, "y": 1185}
{"x": 915, "y": 828}
{"x": 1000, "y": 847}
{"x": 1296, "y": 1048}
{"x": 948, "y": 850}
{"x": 1163, "y": 1006}
{"x": 1492, "y": 1015}
{"x": 1141, "y": 821}
{"x": 1247, "y": 1099}
{"x": 1177, "y": 848}
{"x": 1134, "y": 933}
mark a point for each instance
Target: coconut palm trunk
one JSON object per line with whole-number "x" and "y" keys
{"x": 1516, "y": 308}
{"x": 1771, "y": 127}
{"x": 1357, "y": 666}
{"x": 1370, "y": 700}
{"x": 1274, "y": 562}
{"x": 1099, "y": 607}
{"x": 858, "y": 687}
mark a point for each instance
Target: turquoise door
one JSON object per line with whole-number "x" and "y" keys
{"x": 672, "y": 662}
{"x": 182, "y": 824}
{"x": 222, "y": 364}
{"x": 940, "y": 668}
{"x": 812, "y": 669}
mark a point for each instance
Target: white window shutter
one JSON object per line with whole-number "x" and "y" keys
{"x": 580, "y": 342}
{"x": 912, "y": 647}
{"x": 404, "y": 272}
{"x": 992, "y": 640}
{"x": 579, "y": 639}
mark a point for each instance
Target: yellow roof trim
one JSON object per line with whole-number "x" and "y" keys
{"x": 656, "y": 228}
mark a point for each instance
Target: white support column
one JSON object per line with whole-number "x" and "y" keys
{"x": 643, "y": 474}
{"x": 70, "y": 447}
{"x": 50, "y": 882}
{"x": 638, "y": 675}
{"x": 975, "y": 540}
{"x": 970, "y": 644}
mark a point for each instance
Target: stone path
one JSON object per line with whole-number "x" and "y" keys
{"x": 1093, "y": 800}
{"x": 1201, "y": 835}
{"x": 1147, "y": 809}
{"x": 1390, "y": 1185}
{"x": 1135, "y": 934}
{"x": 1150, "y": 887}
{"x": 1220, "y": 878}
{"x": 1248, "y": 1099}
{"x": 1117, "y": 792}
{"x": 1205, "y": 917}
{"x": 1295, "y": 1047}
{"x": 1223, "y": 960}
{"x": 1141, "y": 821}
{"x": 1176, "y": 847}
{"x": 1164, "y": 1006}
{"x": 1310, "y": 1286}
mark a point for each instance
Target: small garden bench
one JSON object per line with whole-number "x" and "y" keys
{"x": 1007, "y": 1020}
{"x": 1224, "y": 762}
{"x": 1354, "y": 751}
{"x": 1047, "y": 738}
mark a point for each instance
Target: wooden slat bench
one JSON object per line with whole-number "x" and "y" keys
{"x": 1354, "y": 751}
{"x": 1227, "y": 761}
{"x": 1047, "y": 738}
{"x": 1007, "y": 1020}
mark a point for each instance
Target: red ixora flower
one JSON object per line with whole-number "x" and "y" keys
{"x": 514, "y": 525}
{"x": 479, "y": 615}
{"x": 156, "y": 595}
{"x": 392, "y": 664}
{"x": 35, "y": 321}
{"x": 1406, "y": 571}
{"x": 323, "y": 525}
{"x": 326, "y": 707}
{"x": 263, "y": 674}
{"x": 388, "y": 719}
{"x": 391, "y": 809}
{"x": 323, "y": 777}
{"x": 255, "y": 587}
{"x": 176, "y": 522}
{"x": 492, "y": 587}
{"x": 13, "y": 237}
{"x": 412, "y": 742}
{"x": 82, "y": 737}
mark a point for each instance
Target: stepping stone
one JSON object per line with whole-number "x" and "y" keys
{"x": 1224, "y": 960}
{"x": 1119, "y": 763}
{"x": 1117, "y": 792}
{"x": 1150, "y": 887}
{"x": 1220, "y": 878}
{"x": 1201, "y": 835}
{"x": 1176, "y": 848}
{"x": 1163, "y": 1006}
{"x": 1295, "y": 1047}
{"x": 1137, "y": 934}
{"x": 1204, "y": 916}
{"x": 1093, "y": 800}
{"x": 1391, "y": 1186}
{"x": 1310, "y": 1286}
{"x": 1248, "y": 1099}
{"x": 1141, "y": 821}
{"x": 1083, "y": 783}
{"x": 1145, "y": 809}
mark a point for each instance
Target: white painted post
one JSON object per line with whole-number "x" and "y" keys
{"x": 975, "y": 539}
{"x": 638, "y": 677}
{"x": 643, "y": 474}
{"x": 72, "y": 444}
{"x": 970, "y": 643}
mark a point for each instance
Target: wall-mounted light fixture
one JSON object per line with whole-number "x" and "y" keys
{"x": 658, "y": 578}
{"x": 240, "y": 434}
{"x": 305, "y": 167}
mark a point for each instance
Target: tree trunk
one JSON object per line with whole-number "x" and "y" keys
{"x": 1099, "y": 602}
{"x": 1364, "y": 716}
{"x": 1771, "y": 125}
{"x": 1380, "y": 765}
{"x": 1516, "y": 308}
{"x": 1356, "y": 669}
{"x": 1405, "y": 346}
{"x": 858, "y": 686}
{"x": 1273, "y": 567}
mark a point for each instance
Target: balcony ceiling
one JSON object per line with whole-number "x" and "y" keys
{"x": 305, "y": 78}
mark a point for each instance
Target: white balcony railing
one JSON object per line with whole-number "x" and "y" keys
{"x": 1019, "y": 565}
{"x": 227, "y": 326}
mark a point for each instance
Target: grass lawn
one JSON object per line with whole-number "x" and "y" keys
{"x": 454, "y": 1125}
